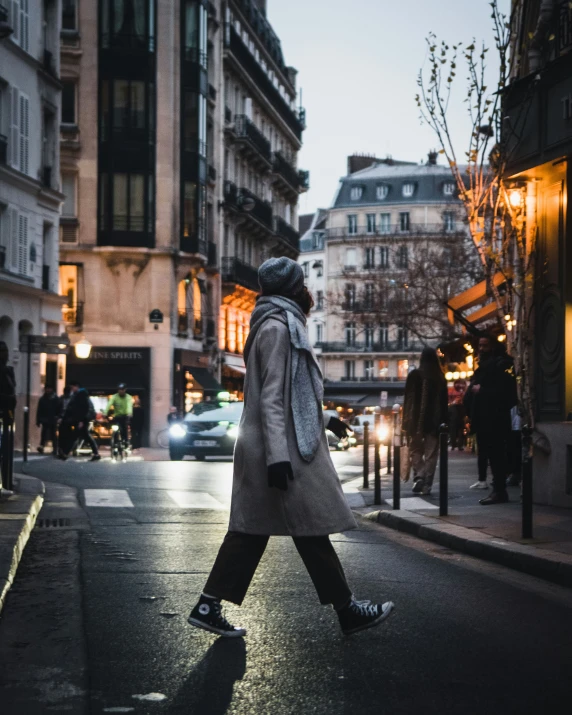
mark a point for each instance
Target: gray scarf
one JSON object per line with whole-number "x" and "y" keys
{"x": 306, "y": 379}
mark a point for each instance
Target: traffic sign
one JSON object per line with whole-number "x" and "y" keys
{"x": 383, "y": 398}
{"x": 156, "y": 316}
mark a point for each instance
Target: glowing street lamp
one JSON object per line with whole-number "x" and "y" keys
{"x": 82, "y": 349}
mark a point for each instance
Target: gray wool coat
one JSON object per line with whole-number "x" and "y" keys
{"x": 314, "y": 503}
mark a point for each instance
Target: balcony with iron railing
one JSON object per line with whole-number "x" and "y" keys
{"x": 236, "y": 271}
{"x": 430, "y": 230}
{"x": 236, "y": 47}
{"x": 284, "y": 231}
{"x": 389, "y": 346}
{"x": 262, "y": 210}
{"x": 72, "y": 315}
{"x": 565, "y": 28}
{"x": 283, "y": 168}
{"x": 246, "y": 130}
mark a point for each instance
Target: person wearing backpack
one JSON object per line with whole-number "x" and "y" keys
{"x": 79, "y": 412}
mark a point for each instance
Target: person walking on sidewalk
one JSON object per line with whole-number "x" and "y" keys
{"x": 47, "y": 419}
{"x": 489, "y": 398}
{"x": 75, "y": 423}
{"x": 284, "y": 482}
{"x": 424, "y": 410}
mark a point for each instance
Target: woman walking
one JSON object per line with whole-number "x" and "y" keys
{"x": 424, "y": 410}
{"x": 284, "y": 481}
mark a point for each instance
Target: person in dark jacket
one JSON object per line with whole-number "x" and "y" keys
{"x": 47, "y": 419}
{"x": 75, "y": 423}
{"x": 488, "y": 401}
{"x": 137, "y": 421}
{"x": 7, "y": 380}
{"x": 424, "y": 410}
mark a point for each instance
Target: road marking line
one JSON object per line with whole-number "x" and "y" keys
{"x": 107, "y": 497}
{"x": 195, "y": 500}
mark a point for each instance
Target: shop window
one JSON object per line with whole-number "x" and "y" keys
{"x": 402, "y": 369}
{"x": 182, "y": 315}
{"x": 383, "y": 369}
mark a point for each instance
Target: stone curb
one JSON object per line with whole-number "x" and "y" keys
{"x": 18, "y": 516}
{"x": 548, "y": 565}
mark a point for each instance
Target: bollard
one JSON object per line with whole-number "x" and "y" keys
{"x": 26, "y": 431}
{"x": 443, "y": 470}
{"x": 376, "y": 465}
{"x": 7, "y": 451}
{"x": 389, "y": 440}
{"x": 396, "y": 457}
{"x": 527, "y": 483}
{"x": 366, "y": 455}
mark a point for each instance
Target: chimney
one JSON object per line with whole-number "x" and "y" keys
{"x": 357, "y": 162}
{"x": 432, "y": 158}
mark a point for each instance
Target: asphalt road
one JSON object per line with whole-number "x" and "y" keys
{"x": 98, "y": 613}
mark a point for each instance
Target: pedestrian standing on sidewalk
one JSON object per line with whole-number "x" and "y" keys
{"x": 489, "y": 398}
{"x": 284, "y": 482}
{"x": 424, "y": 410}
{"x": 47, "y": 419}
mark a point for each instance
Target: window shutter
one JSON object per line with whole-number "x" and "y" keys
{"x": 24, "y": 133}
{"x": 15, "y": 20}
{"x": 14, "y": 128}
{"x": 22, "y": 245}
{"x": 13, "y": 250}
{"x": 24, "y": 24}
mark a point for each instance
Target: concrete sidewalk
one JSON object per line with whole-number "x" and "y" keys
{"x": 18, "y": 514}
{"x": 488, "y": 532}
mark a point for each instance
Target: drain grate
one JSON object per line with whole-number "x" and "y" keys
{"x": 52, "y": 523}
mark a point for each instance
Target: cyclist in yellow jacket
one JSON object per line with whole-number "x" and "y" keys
{"x": 121, "y": 406}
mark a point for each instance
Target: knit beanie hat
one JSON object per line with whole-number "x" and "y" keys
{"x": 281, "y": 276}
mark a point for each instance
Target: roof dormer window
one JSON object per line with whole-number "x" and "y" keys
{"x": 356, "y": 193}
{"x": 408, "y": 189}
{"x": 449, "y": 188}
{"x": 382, "y": 191}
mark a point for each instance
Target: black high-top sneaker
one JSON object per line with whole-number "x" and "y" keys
{"x": 359, "y": 615}
{"x": 207, "y": 614}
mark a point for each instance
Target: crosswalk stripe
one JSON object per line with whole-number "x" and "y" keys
{"x": 195, "y": 500}
{"x": 108, "y": 498}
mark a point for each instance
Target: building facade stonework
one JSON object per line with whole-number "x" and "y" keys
{"x": 171, "y": 114}
{"x": 30, "y": 96}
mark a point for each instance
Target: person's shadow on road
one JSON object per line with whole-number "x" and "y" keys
{"x": 208, "y": 689}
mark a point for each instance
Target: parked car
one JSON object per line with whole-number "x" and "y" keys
{"x": 209, "y": 429}
{"x": 357, "y": 424}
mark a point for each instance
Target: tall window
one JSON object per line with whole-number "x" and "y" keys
{"x": 351, "y": 258}
{"x": 381, "y": 191}
{"x": 319, "y": 333}
{"x": 402, "y": 369}
{"x": 383, "y": 369}
{"x": 20, "y": 22}
{"x": 350, "y": 295}
{"x": 404, "y": 223}
{"x": 449, "y": 221}
{"x": 368, "y": 296}
{"x": 69, "y": 191}
{"x": 356, "y": 193}
{"x": 384, "y": 223}
{"x": 402, "y": 337}
{"x": 368, "y": 369}
{"x": 350, "y": 369}
{"x": 384, "y": 256}
{"x": 306, "y": 269}
{"x": 350, "y": 332}
{"x": 195, "y": 32}
{"x": 352, "y": 225}
{"x": 383, "y": 335}
{"x": 19, "y": 140}
{"x": 320, "y": 300}
{"x": 408, "y": 189}
{"x": 368, "y": 336}
{"x": 128, "y": 24}
{"x": 402, "y": 257}
{"x": 370, "y": 218}
{"x": 22, "y": 245}
{"x": 129, "y": 202}
{"x": 317, "y": 240}
{"x": 69, "y": 16}
{"x": 68, "y": 102}
{"x": 128, "y": 105}
{"x": 449, "y": 188}
{"x": 370, "y": 257}
{"x": 195, "y": 123}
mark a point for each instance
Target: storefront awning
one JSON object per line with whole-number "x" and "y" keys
{"x": 476, "y": 295}
{"x": 205, "y": 379}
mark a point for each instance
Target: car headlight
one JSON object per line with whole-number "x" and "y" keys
{"x": 233, "y": 431}
{"x": 114, "y": 428}
{"x": 177, "y": 431}
{"x": 383, "y": 434}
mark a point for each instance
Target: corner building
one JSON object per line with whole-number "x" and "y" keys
{"x": 145, "y": 142}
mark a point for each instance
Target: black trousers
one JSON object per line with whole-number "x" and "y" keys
{"x": 49, "y": 434}
{"x": 69, "y": 433}
{"x": 240, "y": 555}
{"x": 492, "y": 450}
